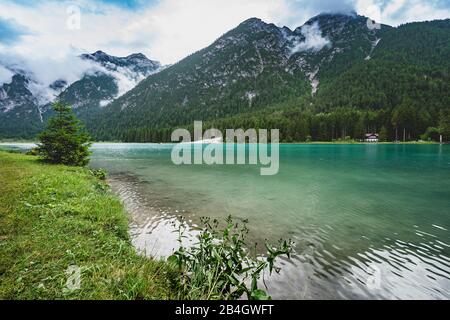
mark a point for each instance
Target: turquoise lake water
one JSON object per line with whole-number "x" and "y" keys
{"x": 369, "y": 221}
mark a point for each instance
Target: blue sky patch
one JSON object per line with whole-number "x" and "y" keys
{"x": 126, "y": 4}
{"x": 10, "y": 31}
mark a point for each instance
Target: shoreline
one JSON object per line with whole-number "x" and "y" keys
{"x": 148, "y": 223}
{"x": 60, "y": 223}
{"x": 71, "y": 220}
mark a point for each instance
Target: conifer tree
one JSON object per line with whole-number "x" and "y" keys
{"x": 64, "y": 141}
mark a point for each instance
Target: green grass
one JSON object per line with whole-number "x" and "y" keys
{"x": 53, "y": 217}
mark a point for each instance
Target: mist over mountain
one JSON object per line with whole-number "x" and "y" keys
{"x": 87, "y": 83}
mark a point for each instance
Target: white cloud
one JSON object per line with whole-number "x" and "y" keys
{"x": 172, "y": 29}
{"x": 396, "y": 12}
{"x": 104, "y": 103}
{"x": 167, "y": 32}
{"x": 177, "y": 28}
{"x": 314, "y": 41}
{"x": 5, "y": 75}
{"x": 45, "y": 71}
{"x": 125, "y": 79}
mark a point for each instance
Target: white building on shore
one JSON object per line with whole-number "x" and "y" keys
{"x": 372, "y": 137}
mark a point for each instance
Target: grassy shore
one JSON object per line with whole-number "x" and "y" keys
{"x": 54, "y": 217}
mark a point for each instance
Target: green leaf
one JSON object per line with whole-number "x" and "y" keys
{"x": 259, "y": 295}
{"x": 254, "y": 284}
{"x": 173, "y": 260}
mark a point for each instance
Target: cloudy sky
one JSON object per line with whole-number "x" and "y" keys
{"x": 168, "y": 30}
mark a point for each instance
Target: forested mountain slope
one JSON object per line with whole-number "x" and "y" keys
{"x": 252, "y": 67}
{"x": 333, "y": 78}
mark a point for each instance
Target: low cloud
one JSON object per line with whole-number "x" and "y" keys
{"x": 125, "y": 79}
{"x": 43, "y": 72}
{"x": 314, "y": 41}
{"x": 5, "y": 75}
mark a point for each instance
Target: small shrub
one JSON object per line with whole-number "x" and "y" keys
{"x": 102, "y": 187}
{"x": 32, "y": 152}
{"x": 220, "y": 267}
{"x": 100, "y": 174}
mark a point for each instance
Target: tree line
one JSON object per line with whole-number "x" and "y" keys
{"x": 403, "y": 123}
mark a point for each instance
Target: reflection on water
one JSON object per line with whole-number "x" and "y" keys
{"x": 397, "y": 270}
{"x": 394, "y": 270}
{"x": 153, "y": 228}
{"x": 369, "y": 221}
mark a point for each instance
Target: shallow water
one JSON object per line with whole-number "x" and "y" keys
{"x": 369, "y": 221}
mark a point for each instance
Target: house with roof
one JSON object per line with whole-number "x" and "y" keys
{"x": 372, "y": 137}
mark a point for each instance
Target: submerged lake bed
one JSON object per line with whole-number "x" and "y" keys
{"x": 369, "y": 221}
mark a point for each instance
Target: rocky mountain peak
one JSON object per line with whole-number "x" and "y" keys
{"x": 137, "y": 56}
{"x": 136, "y": 62}
{"x": 253, "y": 21}
{"x": 333, "y": 16}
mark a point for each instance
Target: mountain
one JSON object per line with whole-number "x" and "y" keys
{"x": 136, "y": 62}
{"x": 253, "y": 66}
{"x": 412, "y": 60}
{"x": 23, "y": 112}
{"x": 19, "y": 112}
{"x": 98, "y": 88}
{"x": 349, "y": 41}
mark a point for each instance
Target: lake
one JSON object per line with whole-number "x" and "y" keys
{"x": 369, "y": 221}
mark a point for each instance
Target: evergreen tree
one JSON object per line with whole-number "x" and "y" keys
{"x": 431, "y": 134}
{"x": 445, "y": 125}
{"x": 383, "y": 134}
{"x": 64, "y": 141}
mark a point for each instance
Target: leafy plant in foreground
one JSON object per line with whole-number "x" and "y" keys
{"x": 219, "y": 266}
{"x": 100, "y": 174}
